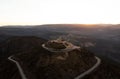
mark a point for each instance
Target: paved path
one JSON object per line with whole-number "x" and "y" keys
{"x": 90, "y": 70}
{"x": 19, "y": 67}
{"x": 70, "y": 48}
{"x": 78, "y": 77}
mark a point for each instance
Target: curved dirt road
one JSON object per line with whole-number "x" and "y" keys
{"x": 90, "y": 70}
{"x": 78, "y": 77}
{"x": 19, "y": 67}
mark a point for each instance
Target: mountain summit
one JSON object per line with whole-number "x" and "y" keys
{"x": 40, "y": 59}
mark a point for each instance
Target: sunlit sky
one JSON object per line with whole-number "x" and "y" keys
{"x": 22, "y": 12}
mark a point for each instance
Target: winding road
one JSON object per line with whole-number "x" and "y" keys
{"x": 78, "y": 77}
{"x": 71, "y": 47}
{"x": 90, "y": 70}
{"x": 19, "y": 67}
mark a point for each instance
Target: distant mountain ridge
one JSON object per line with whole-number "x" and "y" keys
{"x": 104, "y": 40}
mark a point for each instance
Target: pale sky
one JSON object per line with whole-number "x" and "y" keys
{"x": 15, "y": 12}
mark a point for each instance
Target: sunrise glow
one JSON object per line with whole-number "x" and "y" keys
{"x": 30, "y": 12}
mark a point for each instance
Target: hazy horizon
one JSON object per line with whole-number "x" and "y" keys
{"x": 55, "y": 24}
{"x": 37, "y": 12}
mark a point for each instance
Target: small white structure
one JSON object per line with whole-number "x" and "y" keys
{"x": 67, "y": 46}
